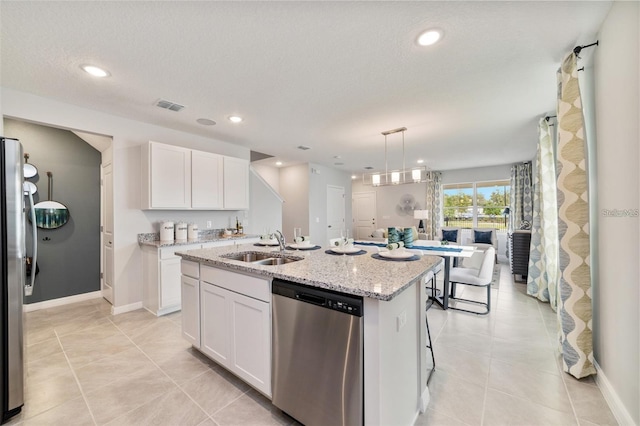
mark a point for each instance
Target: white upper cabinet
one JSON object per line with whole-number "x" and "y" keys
{"x": 206, "y": 180}
{"x": 166, "y": 176}
{"x": 236, "y": 183}
{"x": 175, "y": 178}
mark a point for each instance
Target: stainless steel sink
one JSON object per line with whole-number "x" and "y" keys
{"x": 262, "y": 258}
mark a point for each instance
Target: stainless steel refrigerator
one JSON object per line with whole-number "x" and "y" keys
{"x": 13, "y": 280}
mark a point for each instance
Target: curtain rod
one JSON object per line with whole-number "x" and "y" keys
{"x": 578, "y": 49}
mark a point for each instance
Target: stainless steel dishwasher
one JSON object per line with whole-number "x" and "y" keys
{"x": 317, "y": 355}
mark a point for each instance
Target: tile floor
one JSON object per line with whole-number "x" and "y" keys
{"x": 86, "y": 367}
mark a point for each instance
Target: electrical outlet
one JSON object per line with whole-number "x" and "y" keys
{"x": 209, "y": 224}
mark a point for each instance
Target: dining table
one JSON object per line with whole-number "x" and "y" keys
{"x": 447, "y": 252}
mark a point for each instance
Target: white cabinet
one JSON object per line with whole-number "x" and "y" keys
{"x": 175, "y": 178}
{"x": 206, "y": 180}
{"x": 166, "y": 176}
{"x": 235, "y": 314}
{"x": 161, "y": 275}
{"x": 236, "y": 183}
{"x": 190, "y": 295}
{"x": 215, "y": 326}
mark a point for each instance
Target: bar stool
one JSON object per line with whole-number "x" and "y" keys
{"x": 430, "y": 277}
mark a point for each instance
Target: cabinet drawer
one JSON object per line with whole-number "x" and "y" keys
{"x": 190, "y": 269}
{"x": 169, "y": 252}
{"x": 251, "y": 286}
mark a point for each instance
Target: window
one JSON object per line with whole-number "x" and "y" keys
{"x": 476, "y": 205}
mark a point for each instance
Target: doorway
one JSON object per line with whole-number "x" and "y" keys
{"x": 364, "y": 213}
{"x": 71, "y": 256}
{"x": 335, "y": 212}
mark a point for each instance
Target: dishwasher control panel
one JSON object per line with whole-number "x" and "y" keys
{"x": 327, "y": 299}
{"x": 344, "y": 307}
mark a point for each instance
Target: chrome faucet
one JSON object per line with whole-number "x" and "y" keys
{"x": 280, "y": 239}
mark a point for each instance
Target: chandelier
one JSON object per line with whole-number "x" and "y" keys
{"x": 416, "y": 174}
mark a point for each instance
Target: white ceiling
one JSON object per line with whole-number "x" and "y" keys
{"x": 328, "y": 75}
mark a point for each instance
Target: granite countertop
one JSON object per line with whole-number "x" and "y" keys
{"x": 153, "y": 239}
{"x": 360, "y": 275}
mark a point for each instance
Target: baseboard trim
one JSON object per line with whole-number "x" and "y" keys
{"x": 115, "y": 310}
{"x": 615, "y": 404}
{"x": 62, "y": 301}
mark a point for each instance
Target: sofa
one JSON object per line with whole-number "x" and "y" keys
{"x": 380, "y": 235}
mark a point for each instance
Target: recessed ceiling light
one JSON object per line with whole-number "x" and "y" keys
{"x": 353, "y": 177}
{"x": 206, "y": 122}
{"x": 235, "y": 119}
{"x": 420, "y": 161}
{"x": 429, "y": 37}
{"x": 278, "y": 163}
{"x": 95, "y": 71}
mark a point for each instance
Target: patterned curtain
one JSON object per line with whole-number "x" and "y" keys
{"x": 542, "y": 279}
{"x": 574, "y": 305}
{"x": 521, "y": 205}
{"x": 433, "y": 204}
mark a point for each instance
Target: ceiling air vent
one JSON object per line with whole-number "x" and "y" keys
{"x": 303, "y": 148}
{"x": 162, "y": 103}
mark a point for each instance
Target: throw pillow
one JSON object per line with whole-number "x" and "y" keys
{"x": 482, "y": 237}
{"x": 378, "y": 233}
{"x": 450, "y": 235}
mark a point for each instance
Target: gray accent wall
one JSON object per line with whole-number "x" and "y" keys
{"x": 69, "y": 256}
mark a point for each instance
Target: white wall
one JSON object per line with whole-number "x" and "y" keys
{"x": 320, "y": 177}
{"x": 479, "y": 174}
{"x": 616, "y": 297}
{"x": 127, "y": 135}
{"x": 294, "y": 188}
{"x": 390, "y": 203}
{"x": 266, "y": 208}
{"x": 269, "y": 173}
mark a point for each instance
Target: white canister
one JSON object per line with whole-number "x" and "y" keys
{"x": 166, "y": 231}
{"x": 181, "y": 231}
{"x": 192, "y": 231}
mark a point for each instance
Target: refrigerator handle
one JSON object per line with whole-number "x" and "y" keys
{"x": 28, "y": 289}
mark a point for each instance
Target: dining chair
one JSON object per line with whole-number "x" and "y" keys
{"x": 484, "y": 238}
{"x": 476, "y": 277}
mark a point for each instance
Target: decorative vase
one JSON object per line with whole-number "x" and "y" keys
{"x": 393, "y": 236}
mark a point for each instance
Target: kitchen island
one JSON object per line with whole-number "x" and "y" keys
{"x": 394, "y": 335}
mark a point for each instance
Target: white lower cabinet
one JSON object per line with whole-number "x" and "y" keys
{"x": 234, "y": 322}
{"x": 190, "y": 289}
{"x": 161, "y": 278}
{"x": 161, "y": 274}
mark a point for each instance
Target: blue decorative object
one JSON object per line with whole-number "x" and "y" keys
{"x": 407, "y": 237}
{"x": 393, "y": 236}
{"x": 482, "y": 237}
{"x": 450, "y": 235}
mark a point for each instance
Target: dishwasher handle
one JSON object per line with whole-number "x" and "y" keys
{"x": 310, "y": 298}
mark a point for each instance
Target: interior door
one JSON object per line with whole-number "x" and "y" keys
{"x": 335, "y": 211}
{"x": 364, "y": 213}
{"x": 106, "y": 218}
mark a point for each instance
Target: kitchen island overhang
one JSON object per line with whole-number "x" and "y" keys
{"x": 395, "y": 364}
